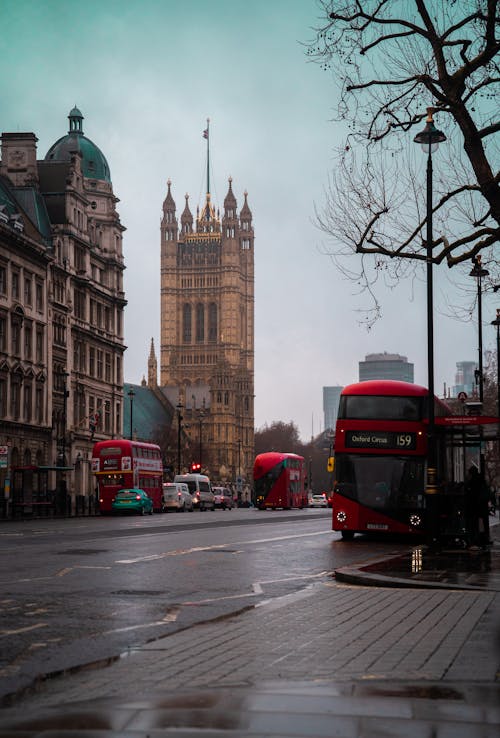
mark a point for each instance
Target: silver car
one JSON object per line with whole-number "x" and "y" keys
{"x": 223, "y": 498}
{"x": 176, "y": 497}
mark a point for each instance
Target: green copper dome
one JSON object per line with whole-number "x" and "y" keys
{"x": 94, "y": 164}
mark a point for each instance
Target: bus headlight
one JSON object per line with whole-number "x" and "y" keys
{"x": 415, "y": 521}
{"x": 341, "y": 516}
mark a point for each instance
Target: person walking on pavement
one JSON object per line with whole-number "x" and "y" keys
{"x": 472, "y": 490}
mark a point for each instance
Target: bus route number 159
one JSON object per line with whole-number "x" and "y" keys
{"x": 405, "y": 440}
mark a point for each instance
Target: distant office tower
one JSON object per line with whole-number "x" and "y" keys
{"x": 385, "y": 366}
{"x": 465, "y": 380}
{"x": 331, "y": 397}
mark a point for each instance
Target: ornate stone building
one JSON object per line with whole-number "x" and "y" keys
{"x": 207, "y": 330}
{"x": 61, "y": 313}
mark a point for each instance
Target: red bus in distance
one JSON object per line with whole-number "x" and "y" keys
{"x": 380, "y": 458}
{"x": 122, "y": 464}
{"x": 279, "y": 481}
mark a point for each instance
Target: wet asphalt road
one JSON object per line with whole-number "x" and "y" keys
{"x": 78, "y": 591}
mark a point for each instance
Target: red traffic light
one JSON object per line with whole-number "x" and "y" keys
{"x": 195, "y": 466}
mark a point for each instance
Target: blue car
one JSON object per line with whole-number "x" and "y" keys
{"x": 133, "y": 501}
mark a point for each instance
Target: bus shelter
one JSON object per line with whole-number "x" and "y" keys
{"x": 464, "y": 440}
{"x": 32, "y": 492}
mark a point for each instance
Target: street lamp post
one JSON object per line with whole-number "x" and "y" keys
{"x": 430, "y": 138}
{"x": 65, "y": 415}
{"x": 497, "y": 323}
{"x": 179, "y": 430}
{"x": 479, "y": 272}
{"x": 131, "y": 395}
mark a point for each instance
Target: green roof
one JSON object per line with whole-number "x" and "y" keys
{"x": 94, "y": 164}
{"x": 149, "y": 414}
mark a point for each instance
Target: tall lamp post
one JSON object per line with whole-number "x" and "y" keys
{"x": 479, "y": 272}
{"x": 65, "y": 376}
{"x": 179, "y": 430}
{"x": 497, "y": 323}
{"x": 429, "y": 139}
{"x": 131, "y": 395}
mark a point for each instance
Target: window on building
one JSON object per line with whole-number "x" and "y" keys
{"x": 3, "y": 395}
{"x": 39, "y": 338}
{"x": 200, "y": 323}
{"x": 99, "y": 364}
{"x": 28, "y": 339}
{"x": 3, "y": 279}
{"x": 39, "y": 296}
{"x": 186, "y": 323}
{"x": 92, "y": 361}
{"x": 39, "y": 404}
{"x": 15, "y": 327}
{"x": 212, "y": 322}
{"x": 107, "y": 367}
{"x": 27, "y": 402}
{"x": 15, "y": 285}
{"x": 3, "y": 332}
{"x": 15, "y": 398}
{"x": 27, "y": 290}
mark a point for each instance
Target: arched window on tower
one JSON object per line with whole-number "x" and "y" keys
{"x": 186, "y": 323}
{"x": 212, "y": 322}
{"x": 200, "y": 323}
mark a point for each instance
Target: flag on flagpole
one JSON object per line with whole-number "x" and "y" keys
{"x": 205, "y": 133}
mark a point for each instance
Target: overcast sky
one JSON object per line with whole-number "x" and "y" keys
{"x": 146, "y": 74}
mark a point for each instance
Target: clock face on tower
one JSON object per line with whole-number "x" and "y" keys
{"x": 17, "y": 159}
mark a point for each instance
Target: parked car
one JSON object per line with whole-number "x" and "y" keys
{"x": 132, "y": 501}
{"x": 223, "y": 498}
{"x": 318, "y": 501}
{"x": 200, "y": 488}
{"x": 176, "y": 496}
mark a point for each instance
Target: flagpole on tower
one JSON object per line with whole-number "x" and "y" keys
{"x": 206, "y": 135}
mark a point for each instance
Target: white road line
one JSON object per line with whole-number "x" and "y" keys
{"x": 197, "y": 549}
{"x": 257, "y": 588}
{"x": 37, "y": 626}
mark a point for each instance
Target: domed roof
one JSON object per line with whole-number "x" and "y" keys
{"x": 94, "y": 164}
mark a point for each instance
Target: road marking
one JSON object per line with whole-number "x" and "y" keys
{"x": 37, "y": 626}
{"x": 199, "y": 549}
{"x": 257, "y": 588}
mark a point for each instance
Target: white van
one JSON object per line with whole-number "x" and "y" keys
{"x": 200, "y": 489}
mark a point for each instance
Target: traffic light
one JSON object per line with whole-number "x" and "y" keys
{"x": 331, "y": 463}
{"x": 195, "y": 466}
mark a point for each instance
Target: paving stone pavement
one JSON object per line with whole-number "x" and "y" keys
{"x": 335, "y": 659}
{"x": 303, "y": 665}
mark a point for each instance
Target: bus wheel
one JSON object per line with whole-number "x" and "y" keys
{"x": 347, "y": 535}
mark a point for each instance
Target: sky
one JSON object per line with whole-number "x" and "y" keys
{"x": 146, "y": 75}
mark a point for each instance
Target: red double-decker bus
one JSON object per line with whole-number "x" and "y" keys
{"x": 380, "y": 457}
{"x": 279, "y": 481}
{"x": 121, "y": 463}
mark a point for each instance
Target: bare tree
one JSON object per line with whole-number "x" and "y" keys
{"x": 392, "y": 59}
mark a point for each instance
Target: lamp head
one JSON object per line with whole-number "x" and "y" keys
{"x": 430, "y": 137}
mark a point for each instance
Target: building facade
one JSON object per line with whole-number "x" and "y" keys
{"x": 465, "y": 379}
{"x": 61, "y": 316}
{"x": 386, "y": 366}
{"x": 331, "y": 397}
{"x": 207, "y": 330}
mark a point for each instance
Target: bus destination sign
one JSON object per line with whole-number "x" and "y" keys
{"x": 403, "y": 440}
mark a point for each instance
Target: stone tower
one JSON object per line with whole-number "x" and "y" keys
{"x": 207, "y": 329}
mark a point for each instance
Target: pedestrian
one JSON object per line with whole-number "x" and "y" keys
{"x": 472, "y": 505}
{"x": 484, "y": 512}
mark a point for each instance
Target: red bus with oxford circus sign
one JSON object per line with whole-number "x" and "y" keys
{"x": 380, "y": 457}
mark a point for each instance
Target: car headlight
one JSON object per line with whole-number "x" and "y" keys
{"x": 415, "y": 521}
